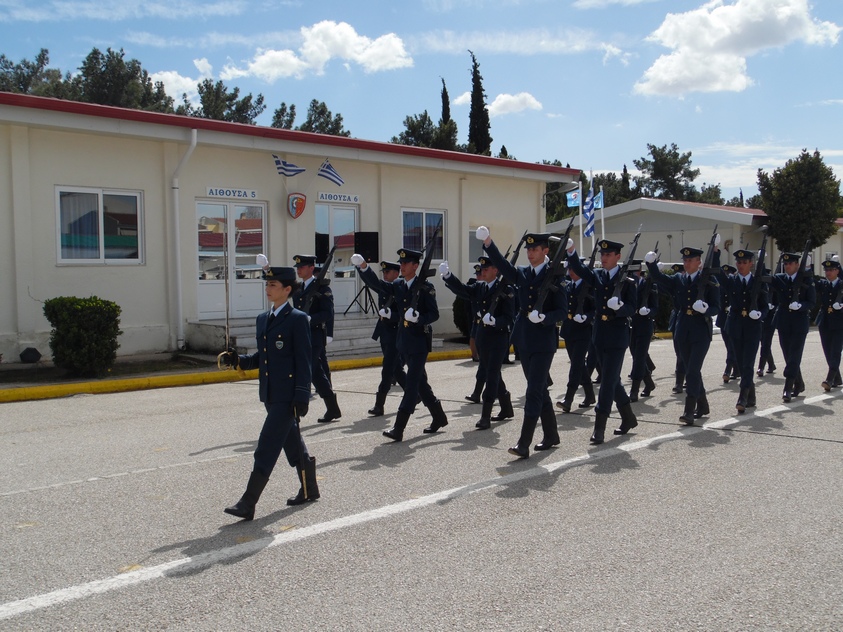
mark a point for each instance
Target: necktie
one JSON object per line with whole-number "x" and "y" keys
{"x": 270, "y": 320}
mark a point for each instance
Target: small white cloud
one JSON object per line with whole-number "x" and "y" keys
{"x": 463, "y": 99}
{"x": 117, "y": 10}
{"x": 602, "y": 4}
{"x": 177, "y": 85}
{"x": 513, "y": 103}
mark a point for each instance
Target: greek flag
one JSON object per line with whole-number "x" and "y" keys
{"x": 287, "y": 168}
{"x": 588, "y": 212}
{"x": 329, "y": 173}
{"x": 573, "y": 198}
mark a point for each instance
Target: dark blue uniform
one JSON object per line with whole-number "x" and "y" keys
{"x": 642, "y": 328}
{"x": 768, "y": 331}
{"x": 492, "y": 340}
{"x": 413, "y": 341}
{"x": 577, "y": 337}
{"x": 792, "y": 326}
{"x": 830, "y": 324}
{"x": 692, "y": 337}
{"x": 732, "y": 370}
{"x": 392, "y": 366}
{"x": 536, "y": 343}
{"x": 610, "y": 336}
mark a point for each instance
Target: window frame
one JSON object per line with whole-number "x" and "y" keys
{"x": 425, "y": 212}
{"x": 100, "y": 194}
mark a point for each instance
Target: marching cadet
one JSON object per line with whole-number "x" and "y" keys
{"x": 797, "y": 296}
{"x": 495, "y": 302}
{"x": 610, "y": 334}
{"x": 643, "y": 325}
{"x": 744, "y": 322}
{"x": 696, "y": 305}
{"x": 321, "y": 316}
{"x": 414, "y": 336}
{"x": 474, "y": 309}
{"x": 768, "y": 330}
{"x": 386, "y": 333}
{"x": 830, "y": 320}
{"x": 732, "y": 370}
{"x": 577, "y": 330}
{"x": 535, "y": 334}
{"x": 678, "y": 270}
{"x": 283, "y": 360}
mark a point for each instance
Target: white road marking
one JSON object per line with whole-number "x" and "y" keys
{"x": 81, "y": 591}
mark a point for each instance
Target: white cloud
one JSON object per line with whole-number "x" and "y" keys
{"x": 527, "y": 42}
{"x": 176, "y": 84}
{"x": 116, "y": 10}
{"x": 463, "y": 99}
{"x": 320, "y": 44}
{"x": 710, "y": 45}
{"x": 602, "y": 4}
{"x": 513, "y": 103}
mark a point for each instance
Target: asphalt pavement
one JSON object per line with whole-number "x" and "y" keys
{"x": 112, "y": 516}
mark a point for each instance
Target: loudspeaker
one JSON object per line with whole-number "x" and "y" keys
{"x": 322, "y": 247}
{"x": 366, "y": 244}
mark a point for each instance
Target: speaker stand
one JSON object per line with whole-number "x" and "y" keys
{"x": 368, "y": 303}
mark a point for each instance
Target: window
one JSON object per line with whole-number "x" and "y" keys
{"x": 419, "y": 226}
{"x": 475, "y": 246}
{"x": 99, "y": 226}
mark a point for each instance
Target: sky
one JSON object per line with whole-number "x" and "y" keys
{"x": 741, "y": 84}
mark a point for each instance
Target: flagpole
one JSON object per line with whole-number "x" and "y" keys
{"x": 579, "y": 198}
{"x": 602, "y": 219}
{"x": 591, "y": 191}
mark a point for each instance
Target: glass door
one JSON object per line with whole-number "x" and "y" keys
{"x": 335, "y": 226}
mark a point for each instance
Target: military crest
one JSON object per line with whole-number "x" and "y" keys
{"x": 295, "y": 204}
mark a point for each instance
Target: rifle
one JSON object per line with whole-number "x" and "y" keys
{"x": 585, "y": 286}
{"x": 758, "y": 278}
{"x": 801, "y": 274}
{"x": 500, "y": 284}
{"x": 554, "y": 269}
{"x": 424, "y": 270}
{"x": 839, "y": 297}
{"x": 644, "y": 299}
{"x": 707, "y": 272}
{"x": 517, "y": 250}
{"x": 310, "y": 293}
{"x": 620, "y": 277}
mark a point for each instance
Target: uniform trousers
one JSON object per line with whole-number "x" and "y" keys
{"x": 577, "y": 351}
{"x": 416, "y": 384}
{"x": 792, "y": 342}
{"x": 280, "y": 431}
{"x": 832, "y": 342}
{"x": 693, "y": 355}
{"x": 392, "y": 367}
{"x": 320, "y": 379}
{"x": 492, "y": 347}
{"x": 745, "y": 335}
{"x": 639, "y": 346}
{"x": 611, "y": 389}
{"x": 536, "y": 367}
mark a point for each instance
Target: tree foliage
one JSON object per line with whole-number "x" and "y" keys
{"x": 419, "y": 131}
{"x": 666, "y": 174}
{"x": 108, "y": 79}
{"x": 283, "y": 118}
{"x": 479, "y": 138}
{"x": 321, "y": 121}
{"x": 802, "y": 200}
{"x": 217, "y": 102}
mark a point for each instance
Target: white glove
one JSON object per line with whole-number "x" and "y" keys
{"x": 580, "y": 318}
{"x": 644, "y": 311}
{"x": 488, "y": 319}
{"x": 728, "y": 309}
{"x": 546, "y": 259}
{"x": 411, "y": 315}
{"x": 754, "y": 314}
{"x": 570, "y": 244}
{"x": 444, "y": 270}
{"x": 794, "y": 306}
{"x": 329, "y": 339}
{"x": 717, "y": 239}
{"x": 650, "y": 257}
{"x": 564, "y": 263}
{"x": 262, "y": 261}
{"x": 308, "y": 317}
{"x": 482, "y": 233}
{"x": 837, "y": 306}
{"x": 614, "y": 303}
{"x": 535, "y": 317}
{"x": 700, "y": 306}
{"x": 385, "y": 312}
{"x": 771, "y": 307}
{"x": 357, "y": 260}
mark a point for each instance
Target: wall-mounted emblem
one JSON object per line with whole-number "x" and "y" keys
{"x": 295, "y": 204}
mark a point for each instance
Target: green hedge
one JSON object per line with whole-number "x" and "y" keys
{"x": 84, "y": 336}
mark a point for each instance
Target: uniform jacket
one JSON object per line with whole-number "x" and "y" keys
{"x": 828, "y": 317}
{"x": 283, "y": 358}
{"x": 481, "y": 296}
{"x": 645, "y": 325}
{"x": 412, "y": 337}
{"x": 526, "y": 335}
{"x": 785, "y": 318}
{"x": 321, "y": 310}
{"x": 571, "y": 329}
{"x": 739, "y": 300}
{"x": 691, "y": 326}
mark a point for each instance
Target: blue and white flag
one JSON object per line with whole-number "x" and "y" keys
{"x": 287, "y": 168}
{"x": 588, "y": 212}
{"x": 598, "y": 200}
{"x": 573, "y": 199}
{"x": 329, "y": 173}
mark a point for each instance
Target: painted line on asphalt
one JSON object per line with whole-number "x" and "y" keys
{"x": 183, "y": 565}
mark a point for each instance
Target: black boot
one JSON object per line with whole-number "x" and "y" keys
{"x": 485, "y": 421}
{"x": 522, "y": 448}
{"x": 702, "y": 407}
{"x": 726, "y": 373}
{"x": 440, "y": 420}
{"x": 787, "y": 394}
{"x": 798, "y": 385}
{"x": 741, "y": 405}
{"x": 628, "y": 419}
{"x": 679, "y": 385}
{"x": 568, "y": 400}
{"x": 333, "y": 411}
{"x": 826, "y": 383}
{"x": 750, "y": 397}
{"x": 309, "y": 490}
{"x": 649, "y": 386}
{"x": 633, "y": 390}
{"x": 377, "y": 409}
{"x": 478, "y": 390}
{"x": 771, "y": 366}
{"x": 549, "y": 429}
{"x": 396, "y": 433}
{"x": 837, "y": 380}
{"x": 687, "y": 415}
{"x": 506, "y": 412}
{"x": 245, "y": 507}
{"x": 590, "y": 399}
{"x": 599, "y": 428}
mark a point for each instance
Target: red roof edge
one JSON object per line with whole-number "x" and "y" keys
{"x": 190, "y": 122}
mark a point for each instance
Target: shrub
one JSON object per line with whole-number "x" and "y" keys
{"x": 84, "y": 336}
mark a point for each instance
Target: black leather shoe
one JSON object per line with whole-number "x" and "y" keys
{"x": 483, "y": 424}
{"x": 299, "y": 499}
{"x": 826, "y": 386}
{"x": 473, "y": 398}
{"x": 760, "y": 373}
{"x": 622, "y": 430}
{"x": 329, "y": 417}
{"x": 546, "y": 445}
{"x": 521, "y": 453}
{"x": 241, "y": 510}
{"x": 393, "y": 434}
{"x": 376, "y": 411}
{"x": 594, "y": 440}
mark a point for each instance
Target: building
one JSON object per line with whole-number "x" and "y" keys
{"x": 164, "y": 214}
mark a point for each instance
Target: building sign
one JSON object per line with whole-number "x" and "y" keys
{"x": 348, "y": 198}
{"x": 242, "y": 194}
{"x": 295, "y": 204}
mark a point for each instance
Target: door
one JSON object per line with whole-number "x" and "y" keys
{"x": 335, "y": 225}
{"x": 230, "y": 236}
